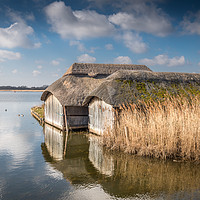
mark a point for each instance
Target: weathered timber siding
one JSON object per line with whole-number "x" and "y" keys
{"x": 77, "y": 117}
{"x": 54, "y": 141}
{"x": 101, "y": 116}
{"x": 54, "y": 112}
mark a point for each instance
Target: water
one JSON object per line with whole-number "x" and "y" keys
{"x": 44, "y": 163}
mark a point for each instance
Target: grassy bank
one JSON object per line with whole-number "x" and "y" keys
{"x": 38, "y": 113}
{"x": 167, "y": 129}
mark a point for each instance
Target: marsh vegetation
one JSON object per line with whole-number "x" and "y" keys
{"x": 164, "y": 129}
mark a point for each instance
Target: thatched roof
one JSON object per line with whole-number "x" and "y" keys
{"x": 71, "y": 90}
{"x": 106, "y": 69}
{"x": 81, "y": 79}
{"x": 154, "y": 76}
{"x": 130, "y": 86}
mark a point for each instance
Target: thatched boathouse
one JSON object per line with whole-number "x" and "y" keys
{"x": 63, "y": 99}
{"x": 124, "y": 87}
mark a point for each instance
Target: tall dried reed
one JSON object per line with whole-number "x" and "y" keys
{"x": 167, "y": 129}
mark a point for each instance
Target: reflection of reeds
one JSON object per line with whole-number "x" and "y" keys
{"x": 142, "y": 175}
{"x": 167, "y": 129}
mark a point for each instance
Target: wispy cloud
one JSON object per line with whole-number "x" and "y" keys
{"x": 143, "y": 22}
{"x": 164, "y": 60}
{"x": 85, "y": 58}
{"x": 55, "y": 62}
{"x": 30, "y": 17}
{"x": 134, "y": 42}
{"x": 81, "y": 46}
{"x": 9, "y": 55}
{"x": 109, "y": 46}
{"x": 14, "y": 71}
{"x": 39, "y": 66}
{"x": 36, "y": 72}
{"x": 78, "y": 44}
{"x": 138, "y": 15}
{"x": 191, "y": 23}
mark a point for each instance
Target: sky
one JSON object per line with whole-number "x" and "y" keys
{"x": 41, "y": 39}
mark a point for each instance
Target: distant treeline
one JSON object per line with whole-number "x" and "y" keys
{"x": 23, "y": 88}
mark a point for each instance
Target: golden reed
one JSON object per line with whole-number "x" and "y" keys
{"x": 167, "y": 129}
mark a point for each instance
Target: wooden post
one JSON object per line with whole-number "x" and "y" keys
{"x": 65, "y": 148}
{"x": 65, "y": 118}
{"x": 66, "y": 130}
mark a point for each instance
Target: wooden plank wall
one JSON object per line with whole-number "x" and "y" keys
{"x": 101, "y": 116}
{"x": 54, "y": 112}
{"x": 77, "y": 117}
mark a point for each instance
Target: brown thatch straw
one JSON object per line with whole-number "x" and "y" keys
{"x": 81, "y": 79}
{"x": 106, "y": 69}
{"x": 129, "y": 86}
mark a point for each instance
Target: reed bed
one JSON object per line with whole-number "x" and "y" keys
{"x": 161, "y": 129}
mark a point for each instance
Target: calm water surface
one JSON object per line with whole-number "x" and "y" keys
{"x": 43, "y": 163}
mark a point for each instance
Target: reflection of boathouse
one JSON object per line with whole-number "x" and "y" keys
{"x": 55, "y": 142}
{"x": 85, "y": 162}
{"x": 63, "y": 99}
{"x": 75, "y": 152}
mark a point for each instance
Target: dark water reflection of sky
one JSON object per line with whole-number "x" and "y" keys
{"x": 53, "y": 165}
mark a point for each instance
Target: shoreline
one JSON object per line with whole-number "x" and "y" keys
{"x": 38, "y": 113}
{"x": 21, "y": 90}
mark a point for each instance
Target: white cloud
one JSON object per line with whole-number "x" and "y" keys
{"x": 37, "y": 45}
{"x": 191, "y": 24}
{"x": 9, "y": 55}
{"x": 77, "y": 24}
{"x": 164, "y": 60}
{"x": 78, "y": 44}
{"x": 85, "y": 58}
{"x": 36, "y": 72}
{"x": 134, "y": 42}
{"x": 122, "y": 60}
{"x": 138, "y": 15}
{"x": 144, "y": 21}
{"x": 14, "y": 71}
{"x": 55, "y": 62}
{"x": 109, "y": 46}
{"x": 198, "y": 63}
{"x": 17, "y": 36}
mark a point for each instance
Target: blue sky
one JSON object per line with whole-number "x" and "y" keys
{"x": 40, "y": 39}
